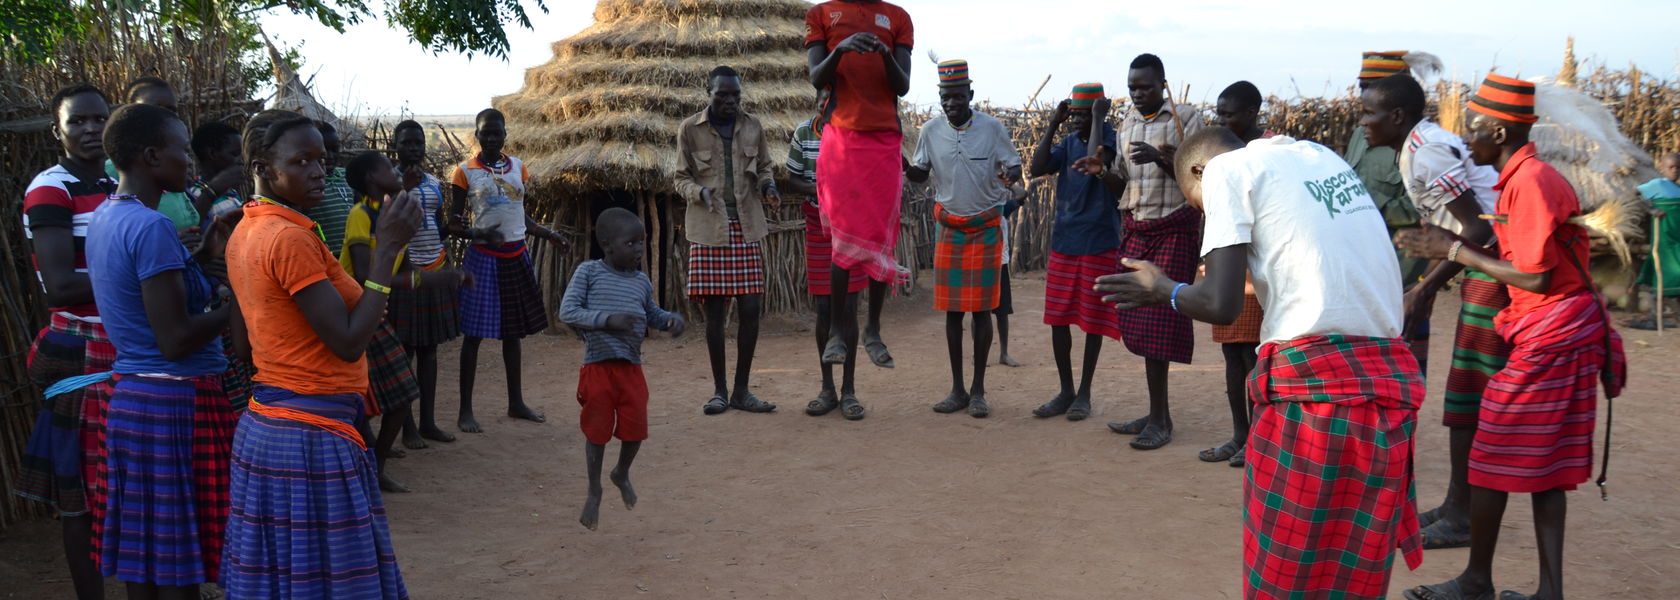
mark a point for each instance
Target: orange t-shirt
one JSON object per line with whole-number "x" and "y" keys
{"x": 863, "y": 100}
{"x": 273, "y": 254}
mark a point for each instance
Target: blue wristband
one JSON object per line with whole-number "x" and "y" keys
{"x": 1176, "y": 288}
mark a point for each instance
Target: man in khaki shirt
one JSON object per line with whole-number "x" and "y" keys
{"x": 724, "y": 174}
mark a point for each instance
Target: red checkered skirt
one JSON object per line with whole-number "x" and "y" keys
{"x": 1174, "y": 244}
{"x": 1246, "y": 329}
{"x": 819, "y": 257}
{"x": 1329, "y": 492}
{"x": 390, "y": 374}
{"x": 65, "y": 348}
{"x": 967, "y": 257}
{"x": 733, "y": 270}
{"x": 1536, "y": 425}
{"x": 1068, "y": 297}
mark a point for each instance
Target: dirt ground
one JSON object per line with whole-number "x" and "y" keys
{"x": 912, "y": 504}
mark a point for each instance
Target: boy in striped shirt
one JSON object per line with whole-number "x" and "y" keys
{"x": 610, "y": 302}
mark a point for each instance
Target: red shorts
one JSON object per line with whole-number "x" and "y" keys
{"x": 614, "y": 396}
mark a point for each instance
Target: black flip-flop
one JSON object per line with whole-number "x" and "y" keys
{"x": 716, "y": 405}
{"x": 1056, "y": 407}
{"x": 850, "y": 408}
{"x": 952, "y": 403}
{"x": 877, "y": 351}
{"x": 1440, "y": 535}
{"x": 1446, "y": 590}
{"x": 1080, "y": 410}
{"x": 977, "y": 406}
{"x": 1429, "y": 517}
{"x": 835, "y": 352}
{"x": 752, "y": 404}
{"x": 824, "y": 403}
{"x": 1132, "y": 427}
{"x": 1238, "y": 461}
{"x": 1220, "y": 453}
{"x": 1152, "y": 438}
{"x": 1510, "y": 595}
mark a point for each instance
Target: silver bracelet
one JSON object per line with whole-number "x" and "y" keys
{"x": 1452, "y": 255}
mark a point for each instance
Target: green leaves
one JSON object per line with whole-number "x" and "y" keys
{"x": 465, "y": 26}
{"x": 33, "y": 28}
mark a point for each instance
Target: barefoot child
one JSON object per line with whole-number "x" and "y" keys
{"x": 506, "y": 304}
{"x": 610, "y": 302}
{"x": 424, "y": 317}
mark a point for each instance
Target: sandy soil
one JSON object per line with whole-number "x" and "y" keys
{"x": 911, "y": 504}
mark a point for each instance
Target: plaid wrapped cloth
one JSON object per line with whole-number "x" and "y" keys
{"x": 1536, "y": 424}
{"x": 424, "y": 317}
{"x": 170, "y": 440}
{"x": 819, "y": 258}
{"x": 1069, "y": 299}
{"x": 860, "y": 181}
{"x": 967, "y": 253}
{"x": 70, "y": 429}
{"x": 504, "y": 301}
{"x": 733, "y": 270}
{"x": 1246, "y": 329}
{"x": 1478, "y": 350}
{"x": 1174, "y": 244}
{"x": 390, "y": 374}
{"x": 307, "y": 519}
{"x": 1329, "y": 492}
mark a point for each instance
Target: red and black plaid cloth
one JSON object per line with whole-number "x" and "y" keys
{"x": 967, "y": 253}
{"x": 1329, "y": 492}
{"x": 819, "y": 258}
{"x": 1536, "y": 424}
{"x": 1069, "y": 298}
{"x": 69, "y": 347}
{"x": 733, "y": 270}
{"x": 1244, "y": 330}
{"x": 1173, "y": 243}
{"x": 390, "y": 374}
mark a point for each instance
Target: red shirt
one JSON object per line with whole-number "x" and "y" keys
{"x": 58, "y": 198}
{"x": 863, "y": 99}
{"x": 1537, "y": 236}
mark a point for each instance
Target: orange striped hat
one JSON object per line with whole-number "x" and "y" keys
{"x": 1377, "y": 65}
{"x": 1506, "y": 99}
{"x": 1085, "y": 95}
{"x": 953, "y": 73}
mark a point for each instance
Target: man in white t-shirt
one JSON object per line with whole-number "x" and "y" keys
{"x": 1336, "y": 388}
{"x": 1449, "y": 190}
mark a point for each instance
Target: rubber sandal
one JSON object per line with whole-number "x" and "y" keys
{"x": 1056, "y": 407}
{"x": 1429, "y": 517}
{"x": 1152, "y": 438}
{"x": 951, "y": 404}
{"x": 1440, "y": 535}
{"x": 1220, "y": 453}
{"x": 752, "y": 404}
{"x": 1080, "y": 410}
{"x": 1132, "y": 427}
{"x": 824, "y": 403}
{"x": 877, "y": 350}
{"x": 1510, "y": 595}
{"x": 835, "y": 352}
{"x": 977, "y": 406}
{"x": 850, "y": 408}
{"x": 716, "y": 405}
{"x": 1238, "y": 462}
{"x": 1446, "y": 590}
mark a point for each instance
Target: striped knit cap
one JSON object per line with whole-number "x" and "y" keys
{"x": 1377, "y": 65}
{"x": 953, "y": 73}
{"x": 1506, "y": 99}
{"x": 1085, "y": 95}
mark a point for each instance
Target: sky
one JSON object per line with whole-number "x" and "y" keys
{"x": 1299, "y": 48}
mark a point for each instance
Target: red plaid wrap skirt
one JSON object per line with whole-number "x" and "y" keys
{"x": 391, "y": 379}
{"x": 733, "y": 270}
{"x": 1069, "y": 298}
{"x": 967, "y": 256}
{"x": 1173, "y": 243}
{"x": 1329, "y": 492}
{"x": 861, "y": 183}
{"x": 819, "y": 258}
{"x": 1246, "y": 329}
{"x": 68, "y": 347}
{"x": 1536, "y": 424}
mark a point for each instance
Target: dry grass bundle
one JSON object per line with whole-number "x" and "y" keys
{"x": 589, "y": 71}
{"x": 641, "y": 36}
{"x": 673, "y": 10}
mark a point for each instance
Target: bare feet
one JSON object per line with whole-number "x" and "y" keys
{"x": 414, "y": 440}
{"x": 591, "y": 517}
{"x": 622, "y": 480}
{"x": 437, "y": 435}
{"x": 467, "y": 424}
{"x": 521, "y": 411}
{"x": 390, "y": 485}
{"x": 1007, "y": 361}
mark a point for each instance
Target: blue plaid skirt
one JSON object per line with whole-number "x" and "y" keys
{"x": 504, "y": 301}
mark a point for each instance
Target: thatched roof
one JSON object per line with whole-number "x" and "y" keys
{"x": 603, "y": 113}
{"x": 1578, "y": 135}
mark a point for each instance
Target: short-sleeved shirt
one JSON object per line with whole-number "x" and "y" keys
{"x": 334, "y": 209}
{"x": 228, "y": 202}
{"x": 358, "y": 230}
{"x": 1537, "y": 236}
{"x": 963, "y": 164}
{"x": 863, "y": 99}
{"x": 127, "y": 244}
{"x": 1087, "y": 220}
{"x": 274, "y": 254}
{"x": 802, "y": 154}
{"x": 495, "y": 194}
{"x": 175, "y": 205}
{"x": 425, "y": 249}
{"x": 1318, "y": 250}
{"x": 58, "y": 198}
{"x": 596, "y": 292}
{"x": 1151, "y": 192}
{"x": 1436, "y": 169}
{"x": 1379, "y": 169}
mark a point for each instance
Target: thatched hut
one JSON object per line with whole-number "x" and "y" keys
{"x": 596, "y": 126}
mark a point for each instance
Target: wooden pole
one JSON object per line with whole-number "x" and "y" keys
{"x": 1034, "y": 97}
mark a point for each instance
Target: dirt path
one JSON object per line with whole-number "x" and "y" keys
{"x": 911, "y": 504}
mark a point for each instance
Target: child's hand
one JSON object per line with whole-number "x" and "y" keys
{"x": 623, "y": 322}
{"x": 678, "y": 326}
